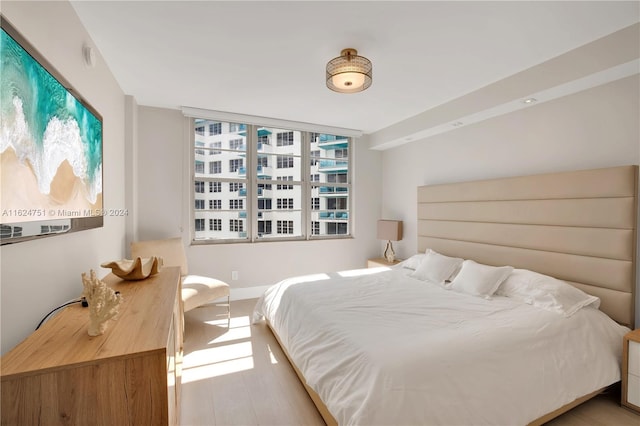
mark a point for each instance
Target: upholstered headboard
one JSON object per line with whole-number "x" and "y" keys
{"x": 579, "y": 226}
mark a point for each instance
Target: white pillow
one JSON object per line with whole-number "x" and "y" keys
{"x": 436, "y": 267}
{"x": 478, "y": 279}
{"x": 413, "y": 262}
{"x": 546, "y": 292}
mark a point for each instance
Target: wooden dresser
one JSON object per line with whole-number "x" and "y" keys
{"x": 130, "y": 375}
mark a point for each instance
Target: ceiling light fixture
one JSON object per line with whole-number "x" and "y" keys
{"x": 349, "y": 73}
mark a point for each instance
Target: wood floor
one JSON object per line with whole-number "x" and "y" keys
{"x": 239, "y": 376}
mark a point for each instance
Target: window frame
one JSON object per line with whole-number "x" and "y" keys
{"x": 252, "y": 183}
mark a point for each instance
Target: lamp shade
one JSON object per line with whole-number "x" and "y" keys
{"x": 390, "y": 230}
{"x": 349, "y": 73}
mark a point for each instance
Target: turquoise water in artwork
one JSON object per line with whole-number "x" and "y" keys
{"x": 44, "y": 123}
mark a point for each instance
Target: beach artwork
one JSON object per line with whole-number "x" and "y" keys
{"x": 50, "y": 144}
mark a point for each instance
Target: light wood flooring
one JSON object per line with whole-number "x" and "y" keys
{"x": 239, "y": 376}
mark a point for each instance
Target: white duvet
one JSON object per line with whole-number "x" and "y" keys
{"x": 384, "y": 348}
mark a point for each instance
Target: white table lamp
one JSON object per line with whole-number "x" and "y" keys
{"x": 390, "y": 230}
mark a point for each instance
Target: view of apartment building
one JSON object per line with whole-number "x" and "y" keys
{"x": 299, "y": 187}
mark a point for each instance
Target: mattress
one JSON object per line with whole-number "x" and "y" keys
{"x": 380, "y": 347}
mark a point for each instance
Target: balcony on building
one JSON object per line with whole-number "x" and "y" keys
{"x": 261, "y": 132}
{"x": 243, "y": 192}
{"x": 264, "y": 172}
{"x": 333, "y": 166}
{"x": 330, "y": 142}
{"x": 333, "y": 216}
{"x": 332, "y": 191}
{"x": 264, "y": 148}
{"x": 242, "y": 214}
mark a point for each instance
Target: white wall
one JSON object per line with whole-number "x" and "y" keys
{"x": 37, "y": 276}
{"x": 595, "y": 128}
{"x": 164, "y": 198}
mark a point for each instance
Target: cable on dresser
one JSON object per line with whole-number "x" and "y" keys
{"x": 70, "y": 302}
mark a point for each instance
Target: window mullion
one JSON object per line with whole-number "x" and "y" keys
{"x": 350, "y": 187}
{"x": 305, "y": 190}
{"x": 252, "y": 183}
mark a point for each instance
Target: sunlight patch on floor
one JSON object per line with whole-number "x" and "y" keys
{"x": 237, "y": 333}
{"x": 216, "y": 369}
{"x": 235, "y": 322}
{"x": 217, "y": 354}
{"x": 271, "y": 356}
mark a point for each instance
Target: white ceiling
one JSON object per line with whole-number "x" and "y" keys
{"x": 268, "y": 58}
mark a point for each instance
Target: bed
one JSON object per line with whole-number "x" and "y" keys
{"x": 386, "y": 346}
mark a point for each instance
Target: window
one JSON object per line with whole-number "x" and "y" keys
{"x": 285, "y": 227}
{"x": 235, "y": 186}
{"x": 336, "y": 228}
{"x": 214, "y": 129}
{"x": 236, "y": 204}
{"x": 337, "y": 177}
{"x": 215, "y": 167}
{"x": 337, "y": 203}
{"x": 215, "y": 148}
{"x": 314, "y": 157}
{"x": 235, "y": 144}
{"x": 341, "y": 153}
{"x": 300, "y": 186}
{"x": 284, "y": 162}
{"x": 264, "y": 203}
{"x": 234, "y": 165}
{"x": 285, "y": 203}
{"x": 236, "y": 225}
{"x": 284, "y": 139}
{"x": 215, "y": 224}
{"x": 264, "y": 227}
{"x": 199, "y": 151}
{"x": 281, "y": 187}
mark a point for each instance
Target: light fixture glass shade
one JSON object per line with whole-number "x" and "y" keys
{"x": 349, "y": 73}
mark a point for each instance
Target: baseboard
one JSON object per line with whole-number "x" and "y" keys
{"x": 243, "y": 293}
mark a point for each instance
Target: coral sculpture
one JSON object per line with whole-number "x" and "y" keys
{"x": 103, "y": 303}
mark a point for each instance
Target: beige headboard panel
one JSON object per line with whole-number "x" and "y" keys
{"x": 578, "y": 226}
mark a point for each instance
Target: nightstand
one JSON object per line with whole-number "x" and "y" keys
{"x": 381, "y": 261}
{"x": 631, "y": 370}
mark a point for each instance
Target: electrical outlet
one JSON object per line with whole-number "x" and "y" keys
{"x": 234, "y": 275}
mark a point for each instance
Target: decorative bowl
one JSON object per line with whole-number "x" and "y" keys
{"x": 137, "y": 269}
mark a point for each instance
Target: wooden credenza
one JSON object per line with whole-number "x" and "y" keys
{"x": 130, "y": 375}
